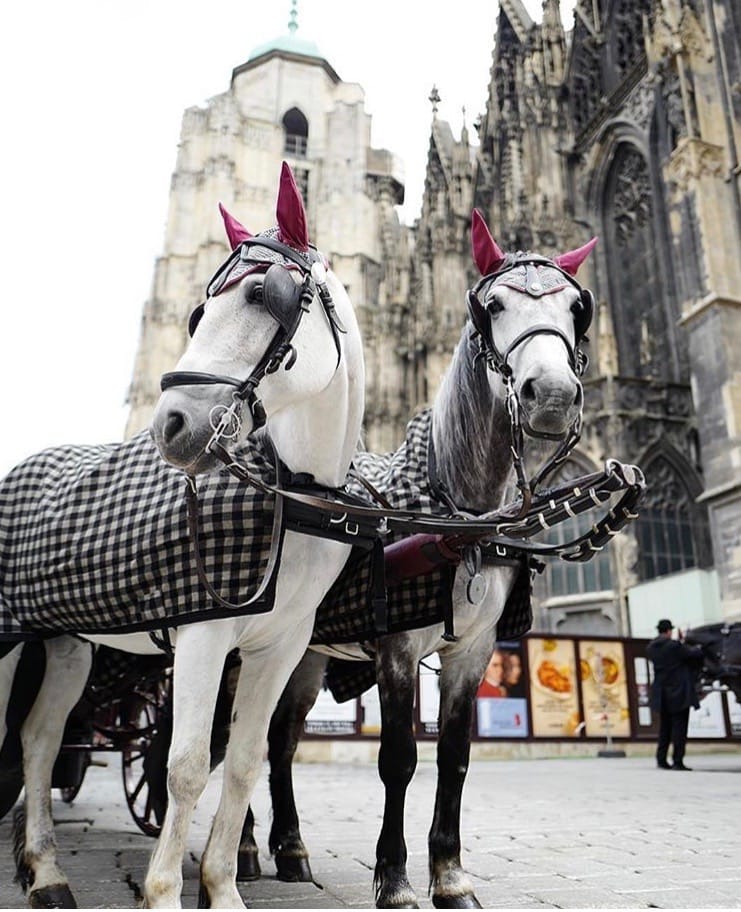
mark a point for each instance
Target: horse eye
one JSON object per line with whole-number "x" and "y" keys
{"x": 254, "y": 294}
{"x": 494, "y": 306}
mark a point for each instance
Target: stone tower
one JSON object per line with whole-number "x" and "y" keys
{"x": 285, "y": 102}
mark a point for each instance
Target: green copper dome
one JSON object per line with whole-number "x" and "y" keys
{"x": 289, "y": 43}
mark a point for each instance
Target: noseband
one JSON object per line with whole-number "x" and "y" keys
{"x": 285, "y": 301}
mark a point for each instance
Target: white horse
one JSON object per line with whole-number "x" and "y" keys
{"x": 528, "y": 316}
{"x": 272, "y": 303}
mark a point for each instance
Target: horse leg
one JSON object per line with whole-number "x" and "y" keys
{"x": 11, "y": 754}
{"x": 397, "y": 760}
{"x": 199, "y": 660}
{"x": 262, "y": 678}
{"x": 68, "y": 662}
{"x": 459, "y": 679}
{"x": 286, "y": 728}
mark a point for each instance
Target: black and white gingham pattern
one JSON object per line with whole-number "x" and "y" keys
{"x": 345, "y": 615}
{"x": 95, "y": 539}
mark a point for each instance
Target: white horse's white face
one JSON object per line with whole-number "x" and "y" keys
{"x": 234, "y": 333}
{"x": 543, "y": 371}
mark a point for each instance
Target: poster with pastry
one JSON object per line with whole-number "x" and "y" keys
{"x": 604, "y": 689}
{"x": 554, "y": 700}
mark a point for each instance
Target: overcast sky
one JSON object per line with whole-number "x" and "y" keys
{"x": 94, "y": 92}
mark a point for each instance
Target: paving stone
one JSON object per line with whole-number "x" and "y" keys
{"x": 563, "y": 833}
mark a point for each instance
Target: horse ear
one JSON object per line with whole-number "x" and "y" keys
{"x": 571, "y": 261}
{"x": 290, "y": 212}
{"x": 486, "y": 253}
{"x": 234, "y": 230}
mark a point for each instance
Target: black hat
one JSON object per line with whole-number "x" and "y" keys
{"x": 664, "y": 625}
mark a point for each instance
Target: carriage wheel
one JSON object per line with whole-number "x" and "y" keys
{"x": 147, "y": 715}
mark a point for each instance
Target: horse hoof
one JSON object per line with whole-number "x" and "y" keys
{"x": 462, "y": 901}
{"x": 56, "y": 896}
{"x": 293, "y": 869}
{"x": 248, "y": 866}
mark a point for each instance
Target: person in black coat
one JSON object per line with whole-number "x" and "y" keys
{"x": 673, "y": 692}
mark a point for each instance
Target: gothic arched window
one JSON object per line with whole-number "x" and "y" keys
{"x": 670, "y": 528}
{"x": 636, "y": 293}
{"x": 295, "y": 133}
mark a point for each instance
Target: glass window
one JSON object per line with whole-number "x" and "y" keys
{"x": 295, "y": 134}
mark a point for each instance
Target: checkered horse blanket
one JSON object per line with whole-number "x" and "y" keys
{"x": 346, "y": 614}
{"x": 94, "y": 539}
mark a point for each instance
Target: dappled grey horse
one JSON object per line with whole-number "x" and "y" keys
{"x": 517, "y": 366}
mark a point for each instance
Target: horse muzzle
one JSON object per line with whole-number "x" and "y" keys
{"x": 184, "y": 435}
{"x": 549, "y": 405}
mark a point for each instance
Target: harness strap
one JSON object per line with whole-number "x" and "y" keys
{"x": 492, "y": 527}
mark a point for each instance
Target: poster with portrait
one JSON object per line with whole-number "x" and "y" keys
{"x": 501, "y": 704}
{"x": 604, "y": 689}
{"x": 554, "y": 700}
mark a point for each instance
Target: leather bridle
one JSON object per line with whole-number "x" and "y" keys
{"x": 285, "y": 301}
{"x": 498, "y": 361}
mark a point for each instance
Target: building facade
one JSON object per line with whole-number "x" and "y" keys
{"x": 627, "y": 127}
{"x": 285, "y": 102}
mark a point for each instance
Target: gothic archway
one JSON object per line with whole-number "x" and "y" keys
{"x": 636, "y": 293}
{"x": 672, "y": 529}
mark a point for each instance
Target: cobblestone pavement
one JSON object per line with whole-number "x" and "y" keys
{"x": 562, "y": 833}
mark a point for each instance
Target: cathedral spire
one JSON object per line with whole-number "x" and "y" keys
{"x": 434, "y": 99}
{"x": 552, "y": 14}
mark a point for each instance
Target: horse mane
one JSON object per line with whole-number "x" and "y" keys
{"x": 471, "y": 431}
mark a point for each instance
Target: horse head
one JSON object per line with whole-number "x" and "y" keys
{"x": 530, "y": 314}
{"x": 276, "y": 332}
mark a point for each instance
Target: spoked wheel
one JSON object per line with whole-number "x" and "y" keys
{"x": 148, "y": 718}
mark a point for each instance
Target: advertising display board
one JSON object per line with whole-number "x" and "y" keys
{"x": 554, "y": 699}
{"x": 604, "y": 688}
{"x": 501, "y": 700}
{"x": 329, "y": 718}
{"x": 548, "y": 686}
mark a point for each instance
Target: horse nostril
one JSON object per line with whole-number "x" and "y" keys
{"x": 527, "y": 392}
{"x": 173, "y": 426}
{"x": 579, "y": 396}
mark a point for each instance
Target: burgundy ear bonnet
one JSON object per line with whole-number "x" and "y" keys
{"x": 290, "y": 212}
{"x": 529, "y": 274}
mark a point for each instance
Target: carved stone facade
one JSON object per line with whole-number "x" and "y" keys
{"x": 285, "y": 102}
{"x": 629, "y": 129}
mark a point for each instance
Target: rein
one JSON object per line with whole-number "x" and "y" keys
{"x": 505, "y": 527}
{"x": 506, "y": 531}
